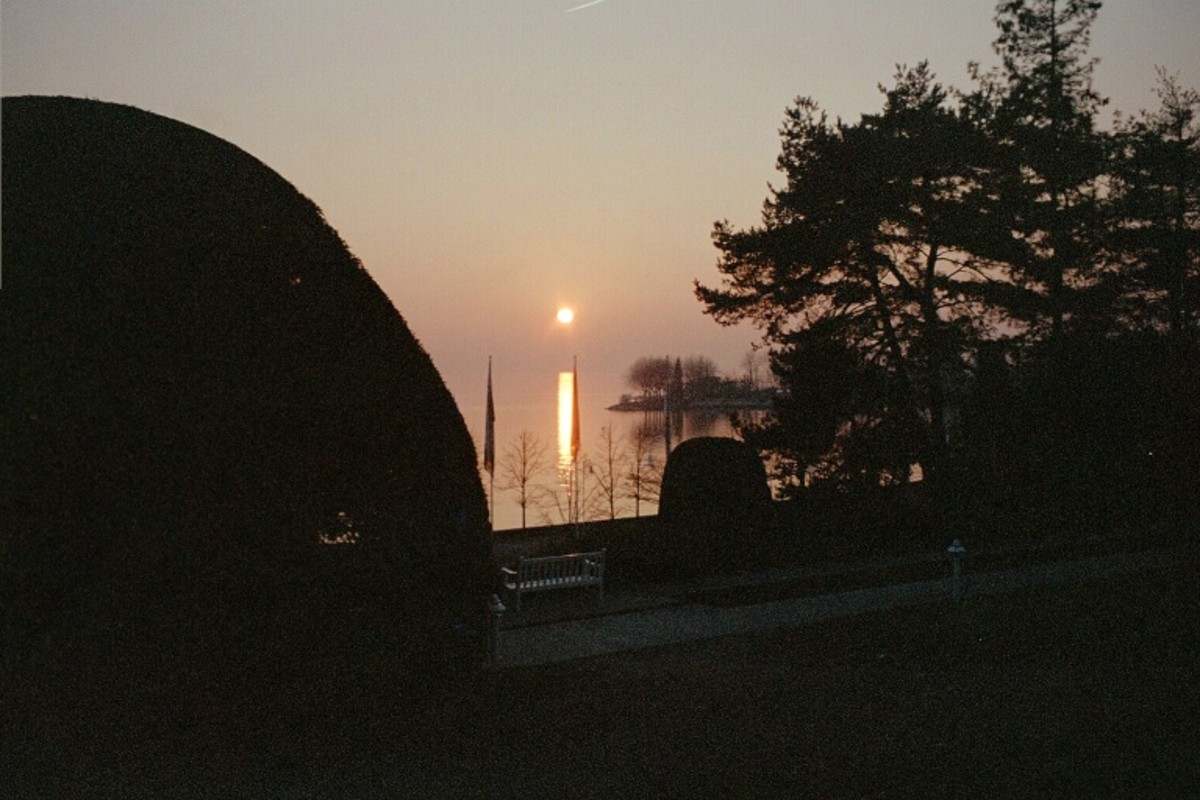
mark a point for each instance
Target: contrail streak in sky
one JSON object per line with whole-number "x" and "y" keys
{"x": 585, "y": 5}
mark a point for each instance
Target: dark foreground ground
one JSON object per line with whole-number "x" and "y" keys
{"x": 1080, "y": 691}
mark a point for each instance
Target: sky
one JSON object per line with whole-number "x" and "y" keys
{"x": 491, "y": 160}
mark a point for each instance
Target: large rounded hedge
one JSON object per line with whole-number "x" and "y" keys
{"x": 198, "y": 378}
{"x": 714, "y": 498}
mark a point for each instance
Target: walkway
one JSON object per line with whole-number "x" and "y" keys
{"x": 654, "y": 621}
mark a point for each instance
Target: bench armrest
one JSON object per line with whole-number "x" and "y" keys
{"x": 509, "y": 578}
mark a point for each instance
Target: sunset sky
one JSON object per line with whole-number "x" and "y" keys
{"x": 491, "y": 160}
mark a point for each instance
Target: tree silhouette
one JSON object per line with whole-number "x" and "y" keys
{"x": 650, "y": 375}
{"x": 698, "y": 370}
{"x": 607, "y": 471}
{"x": 1042, "y": 120}
{"x": 643, "y": 475}
{"x": 825, "y": 385}
{"x": 955, "y": 246}
{"x": 1156, "y": 210}
{"x": 524, "y": 462}
{"x": 869, "y": 246}
{"x": 753, "y": 365}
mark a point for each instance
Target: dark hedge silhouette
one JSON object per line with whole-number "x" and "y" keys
{"x": 714, "y": 502}
{"x": 200, "y": 384}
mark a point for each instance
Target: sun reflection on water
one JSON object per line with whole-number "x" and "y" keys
{"x": 566, "y": 386}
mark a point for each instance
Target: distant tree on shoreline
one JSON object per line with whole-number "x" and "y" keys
{"x": 689, "y": 383}
{"x": 650, "y": 376}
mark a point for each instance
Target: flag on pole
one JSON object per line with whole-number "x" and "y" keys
{"x": 574, "y": 409}
{"x": 489, "y": 436}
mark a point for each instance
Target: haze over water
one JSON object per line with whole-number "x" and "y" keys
{"x": 533, "y": 401}
{"x": 489, "y": 162}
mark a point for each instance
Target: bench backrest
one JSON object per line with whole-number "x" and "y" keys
{"x": 567, "y": 568}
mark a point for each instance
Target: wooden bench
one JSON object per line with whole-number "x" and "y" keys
{"x": 570, "y": 571}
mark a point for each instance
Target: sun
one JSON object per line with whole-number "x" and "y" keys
{"x": 565, "y": 315}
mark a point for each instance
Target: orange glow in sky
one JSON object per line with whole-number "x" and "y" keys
{"x": 565, "y": 315}
{"x": 509, "y": 155}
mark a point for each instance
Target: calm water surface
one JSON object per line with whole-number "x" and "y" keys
{"x": 541, "y": 404}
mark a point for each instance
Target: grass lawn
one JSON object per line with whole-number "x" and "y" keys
{"x": 1084, "y": 691}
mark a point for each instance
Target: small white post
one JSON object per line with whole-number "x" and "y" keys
{"x": 956, "y": 551}
{"x": 495, "y": 610}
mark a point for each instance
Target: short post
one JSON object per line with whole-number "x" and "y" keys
{"x": 495, "y": 610}
{"x": 956, "y": 551}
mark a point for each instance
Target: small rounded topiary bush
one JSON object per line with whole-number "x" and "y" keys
{"x": 715, "y": 500}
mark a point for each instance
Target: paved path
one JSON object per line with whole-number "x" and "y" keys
{"x": 611, "y": 633}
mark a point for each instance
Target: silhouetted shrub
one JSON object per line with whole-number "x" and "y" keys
{"x": 715, "y": 500}
{"x": 1088, "y": 433}
{"x": 200, "y": 385}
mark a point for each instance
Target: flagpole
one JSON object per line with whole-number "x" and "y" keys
{"x": 667, "y": 412}
{"x": 575, "y": 441}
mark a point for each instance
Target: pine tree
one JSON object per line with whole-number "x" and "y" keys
{"x": 868, "y": 246}
{"x": 1043, "y": 123}
{"x": 1156, "y": 237}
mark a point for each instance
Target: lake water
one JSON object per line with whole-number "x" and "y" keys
{"x": 541, "y": 404}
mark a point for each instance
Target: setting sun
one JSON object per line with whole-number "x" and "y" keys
{"x": 565, "y": 315}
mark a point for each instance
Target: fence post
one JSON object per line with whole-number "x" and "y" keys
{"x": 495, "y": 611}
{"x": 956, "y": 551}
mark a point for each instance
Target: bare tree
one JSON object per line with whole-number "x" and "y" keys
{"x": 607, "y": 474}
{"x": 698, "y": 370}
{"x": 754, "y": 363}
{"x": 643, "y": 476}
{"x": 568, "y": 499}
{"x": 524, "y": 461}
{"x": 553, "y": 504}
{"x": 650, "y": 375}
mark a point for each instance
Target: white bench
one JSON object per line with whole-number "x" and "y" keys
{"x": 570, "y": 571}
